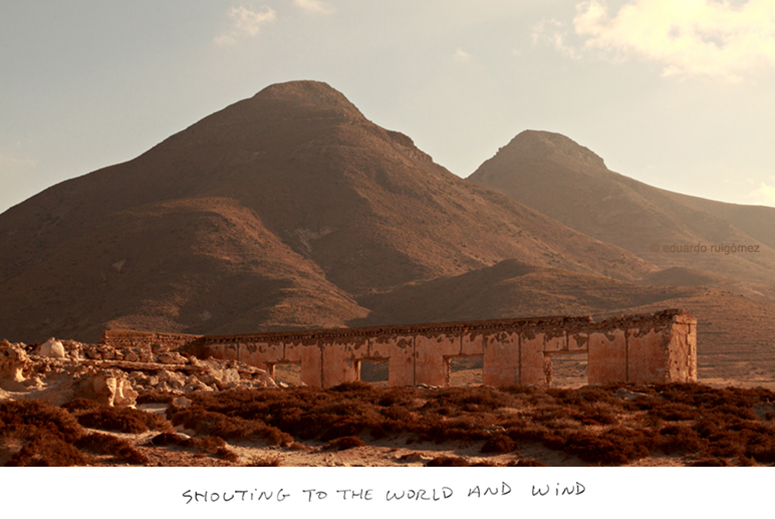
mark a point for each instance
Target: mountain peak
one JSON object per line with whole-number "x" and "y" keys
{"x": 537, "y": 144}
{"x": 307, "y": 93}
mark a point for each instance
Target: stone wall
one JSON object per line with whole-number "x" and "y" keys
{"x": 660, "y": 347}
{"x": 135, "y": 339}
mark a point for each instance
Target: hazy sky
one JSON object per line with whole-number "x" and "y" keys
{"x": 678, "y": 94}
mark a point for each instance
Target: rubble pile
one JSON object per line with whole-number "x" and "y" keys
{"x": 58, "y": 371}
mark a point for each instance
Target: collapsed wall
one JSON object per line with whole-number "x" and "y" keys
{"x": 660, "y": 347}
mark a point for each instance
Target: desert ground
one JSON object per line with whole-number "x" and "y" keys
{"x": 364, "y": 424}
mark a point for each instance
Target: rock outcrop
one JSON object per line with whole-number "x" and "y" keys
{"x": 58, "y": 371}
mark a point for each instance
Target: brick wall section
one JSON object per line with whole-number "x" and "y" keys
{"x": 660, "y": 347}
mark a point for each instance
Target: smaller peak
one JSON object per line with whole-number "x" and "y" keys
{"x": 548, "y": 143}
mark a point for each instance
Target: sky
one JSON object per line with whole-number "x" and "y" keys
{"x": 679, "y": 94}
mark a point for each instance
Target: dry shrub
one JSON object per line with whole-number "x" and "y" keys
{"x": 122, "y": 419}
{"x": 552, "y": 414}
{"x": 762, "y": 451}
{"x": 745, "y": 461}
{"x": 341, "y": 428}
{"x": 155, "y": 397}
{"x": 26, "y": 418}
{"x": 400, "y": 414}
{"x": 122, "y": 450}
{"x": 212, "y": 445}
{"x": 448, "y": 461}
{"x": 166, "y": 439}
{"x": 672, "y": 412}
{"x": 520, "y": 390}
{"x": 357, "y": 386}
{"x": 81, "y": 404}
{"x": 499, "y": 443}
{"x": 526, "y": 463}
{"x": 474, "y": 399}
{"x": 48, "y": 450}
{"x": 344, "y": 443}
{"x": 709, "y": 462}
{"x": 402, "y": 397}
{"x": 538, "y": 434}
{"x": 679, "y": 438}
{"x": 264, "y": 461}
{"x": 597, "y": 417}
{"x": 227, "y": 454}
{"x": 466, "y": 427}
{"x": 582, "y": 396}
{"x": 485, "y": 463}
{"x": 217, "y": 424}
{"x": 613, "y": 447}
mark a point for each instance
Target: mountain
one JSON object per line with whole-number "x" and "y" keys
{"x": 277, "y": 212}
{"x": 571, "y": 184}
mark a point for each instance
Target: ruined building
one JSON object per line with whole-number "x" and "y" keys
{"x": 660, "y": 347}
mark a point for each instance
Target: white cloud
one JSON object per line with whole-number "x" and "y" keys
{"x": 13, "y": 164}
{"x": 462, "y": 55}
{"x": 764, "y": 194}
{"x": 245, "y": 22}
{"x": 313, "y": 6}
{"x": 712, "y": 38}
{"x": 553, "y": 32}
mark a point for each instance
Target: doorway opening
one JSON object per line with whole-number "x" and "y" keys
{"x": 567, "y": 370}
{"x": 288, "y": 373}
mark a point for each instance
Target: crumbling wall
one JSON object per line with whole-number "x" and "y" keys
{"x": 134, "y": 339}
{"x": 658, "y": 347}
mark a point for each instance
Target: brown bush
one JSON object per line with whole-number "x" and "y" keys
{"x": 499, "y": 443}
{"x": 122, "y": 419}
{"x": 526, "y": 463}
{"x": 48, "y": 450}
{"x": 344, "y": 443}
{"x": 265, "y": 461}
{"x": 613, "y": 447}
{"x": 227, "y": 454}
{"x": 448, "y": 461}
{"x": 679, "y": 438}
{"x": 709, "y": 462}
{"x": 217, "y": 424}
{"x": 31, "y": 417}
{"x": 81, "y": 404}
{"x": 763, "y": 452}
{"x": 155, "y": 397}
{"x": 345, "y": 427}
{"x": 356, "y": 386}
{"x": 122, "y": 450}
{"x": 212, "y": 445}
{"x": 475, "y": 399}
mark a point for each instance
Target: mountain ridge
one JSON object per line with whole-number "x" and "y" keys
{"x": 316, "y": 203}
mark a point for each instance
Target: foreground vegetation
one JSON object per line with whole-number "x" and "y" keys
{"x": 609, "y": 425}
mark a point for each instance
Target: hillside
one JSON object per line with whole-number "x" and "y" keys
{"x": 570, "y": 183}
{"x": 276, "y": 212}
